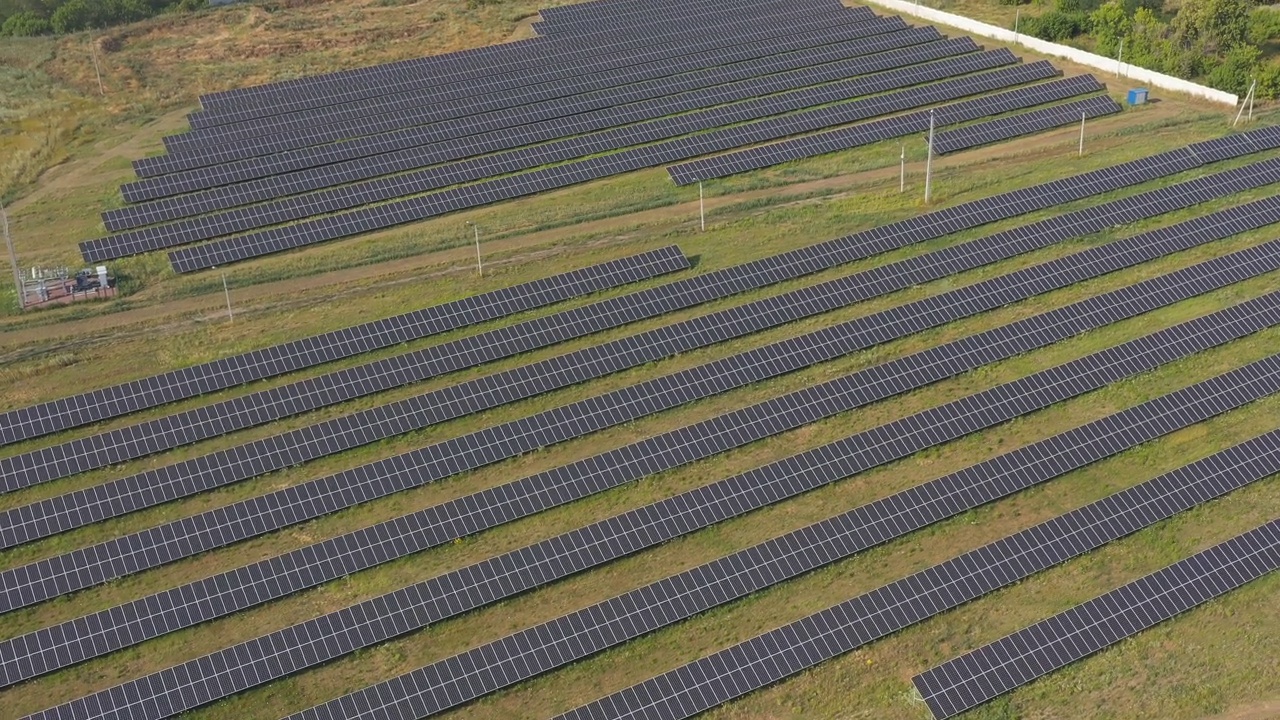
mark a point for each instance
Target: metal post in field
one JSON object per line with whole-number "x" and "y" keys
{"x": 928, "y": 164}
{"x": 13, "y": 258}
{"x": 479, "y": 265}
{"x": 226, "y": 291}
{"x": 1081, "y": 133}
{"x": 702, "y": 208}
{"x": 93, "y": 53}
{"x": 902, "y": 168}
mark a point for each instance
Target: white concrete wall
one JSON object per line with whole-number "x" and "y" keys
{"x": 1140, "y": 76}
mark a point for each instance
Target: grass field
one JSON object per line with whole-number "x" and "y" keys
{"x": 71, "y": 149}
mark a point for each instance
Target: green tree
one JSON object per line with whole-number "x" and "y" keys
{"x": 1110, "y": 25}
{"x": 25, "y": 24}
{"x": 1237, "y": 69}
{"x": 1214, "y": 27}
{"x": 77, "y": 15}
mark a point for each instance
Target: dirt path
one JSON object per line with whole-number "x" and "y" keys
{"x": 1265, "y": 710}
{"x": 305, "y": 290}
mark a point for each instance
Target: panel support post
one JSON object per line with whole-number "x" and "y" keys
{"x": 928, "y": 164}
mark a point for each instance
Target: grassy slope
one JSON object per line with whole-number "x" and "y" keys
{"x": 1206, "y": 662}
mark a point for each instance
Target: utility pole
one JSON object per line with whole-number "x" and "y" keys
{"x": 1081, "y": 133}
{"x": 13, "y": 258}
{"x": 928, "y": 164}
{"x": 1247, "y": 102}
{"x": 702, "y": 208}
{"x": 226, "y": 292}
{"x": 1120, "y": 57}
{"x": 479, "y": 265}
{"x": 902, "y": 168}
{"x": 93, "y": 53}
{"x": 1017, "y": 15}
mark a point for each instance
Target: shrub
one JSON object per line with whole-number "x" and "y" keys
{"x": 1055, "y": 25}
{"x": 26, "y": 24}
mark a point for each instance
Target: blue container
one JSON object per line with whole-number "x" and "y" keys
{"x": 1137, "y": 96}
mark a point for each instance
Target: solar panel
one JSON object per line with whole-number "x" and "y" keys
{"x": 1005, "y": 128}
{"x": 530, "y": 154}
{"x": 543, "y": 63}
{"x": 1015, "y": 660}
{"x": 501, "y": 663}
{"x": 163, "y": 433}
{"x": 74, "y": 641}
{"x": 792, "y": 648}
{"x": 594, "y": 112}
{"x": 123, "y": 555}
{"x": 60, "y": 513}
{"x": 74, "y": 411}
{"x": 422, "y": 206}
{"x": 858, "y": 135}
{"x": 398, "y": 110}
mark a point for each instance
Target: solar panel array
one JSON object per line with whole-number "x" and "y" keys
{"x": 403, "y": 129}
{"x": 972, "y": 136}
{"x": 60, "y": 513}
{"x": 590, "y": 114}
{"x": 790, "y": 649}
{"x": 317, "y": 159}
{"x": 74, "y": 411}
{"x": 74, "y": 641}
{"x": 500, "y": 92}
{"x": 500, "y": 663}
{"x": 1015, "y": 660}
{"x": 754, "y": 158}
{"x": 478, "y": 671}
{"x": 586, "y": 53}
{"x": 682, "y": 146}
{"x": 131, "y": 553}
{"x": 561, "y": 140}
{"x": 424, "y": 206}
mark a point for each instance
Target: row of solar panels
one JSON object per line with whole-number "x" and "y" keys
{"x": 498, "y": 664}
{"x": 1195, "y": 233}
